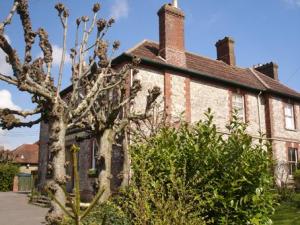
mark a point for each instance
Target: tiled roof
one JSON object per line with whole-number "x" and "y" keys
{"x": 27, "y": 153}
{"x": 217, "y": 70}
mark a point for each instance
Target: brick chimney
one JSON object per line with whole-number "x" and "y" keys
{"x": 171, "y": 34}
{"x": 225, "y": 51}
{"x": 270, "y": 69}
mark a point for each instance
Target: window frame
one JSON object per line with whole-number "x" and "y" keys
{"x": 233, "y": 104}
{"x": 291, "y": 117}
{"x": 291, "y": 162}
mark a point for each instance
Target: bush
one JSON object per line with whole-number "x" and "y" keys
{"x": 103, "y": 214}
{"x": 7, "y": 173}
{"x": 193, "y": 175}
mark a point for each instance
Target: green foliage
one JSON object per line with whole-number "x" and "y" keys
{"x": 194, "y": 175}
{"x": 103, "y": 214}
{"x": 287, "y": 212}
{"x": 297, "y": 174}
{"x": 7, "y": 173}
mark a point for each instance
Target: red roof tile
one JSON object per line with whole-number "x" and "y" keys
{"x": 27, "y": 153}
{"x": 217, "y": 69}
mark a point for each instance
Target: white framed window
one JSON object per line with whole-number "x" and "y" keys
{"x": 289, "y": 117}
{"x": 292, "y": 160}
{"x": 238, "y": 106}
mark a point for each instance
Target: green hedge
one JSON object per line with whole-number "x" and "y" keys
{"x": 7, "y": 173}
{"x": 193, "y": 175}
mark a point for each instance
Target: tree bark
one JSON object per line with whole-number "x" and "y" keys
{"x": 43, "y": 156}
{"x": 57, "y": 150}
{"x": 106, "y": 141}
{"x": 126, "y": 163}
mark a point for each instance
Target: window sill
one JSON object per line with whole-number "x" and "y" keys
{"x": 293, "y": 130}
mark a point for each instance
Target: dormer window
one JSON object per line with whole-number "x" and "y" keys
{"x": 289, "y": 117}
{"x": 238, "y": 106}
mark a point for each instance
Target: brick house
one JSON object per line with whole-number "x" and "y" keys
{"x": 27, "y": 156}
{"x": 192, "y": 83}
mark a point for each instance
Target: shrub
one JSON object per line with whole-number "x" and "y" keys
{"x": 103, "y": 214}
{"x": 7, "y": 173}
{"x": 194, "y": 175}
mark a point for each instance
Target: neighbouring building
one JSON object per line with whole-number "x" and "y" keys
{"x": 26, "y": 157}
{"x": 192, "y": 83}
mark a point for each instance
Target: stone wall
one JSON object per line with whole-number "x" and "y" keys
{"x": 204, "y": 96}
{"x": 149, "y": 78}
{"x": 218, "y": 98}
{"x": 278, "y": 128}
{"x": 282, "y": 138}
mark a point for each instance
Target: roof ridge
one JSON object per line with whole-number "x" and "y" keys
{"x": 187, "y": 52}
{"x": 137, "y": 46}
{"x": 258, "y": 78}
{"x": 276, "y": 81}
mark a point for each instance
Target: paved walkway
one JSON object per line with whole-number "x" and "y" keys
{"x": 15, "y": 210}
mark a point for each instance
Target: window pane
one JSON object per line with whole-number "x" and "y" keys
{"x": 238, "y": 106}
{"x": 292, "y": 157}
{"x": 289, "y": 123}
{"x": 293, "y": 160}
{"x": 288, "y": 110}
{"x": 289, "y": 116}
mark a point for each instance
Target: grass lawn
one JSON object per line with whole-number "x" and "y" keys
{"x": 288, "y": 213}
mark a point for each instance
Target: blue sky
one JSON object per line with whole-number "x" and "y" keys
{"x": 264, "y": 31}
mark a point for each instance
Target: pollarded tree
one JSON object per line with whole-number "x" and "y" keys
{"x": 111, "y": 113}
{"x": 92, "y": 78}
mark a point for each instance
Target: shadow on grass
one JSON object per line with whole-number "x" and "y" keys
{"x": 288, "y": 213}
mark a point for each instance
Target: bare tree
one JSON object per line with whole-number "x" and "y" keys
{"x": 98, "y": 91}
{"x": 108, "y": 117}
{"x": 6, "y": 156}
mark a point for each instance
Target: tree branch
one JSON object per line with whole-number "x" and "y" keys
{"x": 9, "y": 17}
{"x": 29, "y": 35}
{"x": 64, "y": 21}
{"x": 13, "y": 58}
{"x": 9, "y": 122}
{"x": 34, "y": 88}
{"x": 91, "y": 96}
{"x": 21, "y": 113}
{"x": 8, "y": 79}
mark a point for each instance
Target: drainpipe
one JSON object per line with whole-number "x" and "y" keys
{"x": 258, "y": 111}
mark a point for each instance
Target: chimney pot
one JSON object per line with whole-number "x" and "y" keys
{"x": 270, "y": 69}
{"x": 225, "y": 51}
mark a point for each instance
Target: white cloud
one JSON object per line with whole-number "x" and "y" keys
{"x": 56, "y": 54}
{"x": 6, "y": 100}
{"x": 293, "y": 2}
{"x": 119, "y": 9}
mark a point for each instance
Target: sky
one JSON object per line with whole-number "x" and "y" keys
{"x": 263, "y": 31}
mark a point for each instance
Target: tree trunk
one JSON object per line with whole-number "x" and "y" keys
{"x": 126, "y": 162}
{"x": 57, "y": 150}
{"x": 43, "y": 156}
{"x": 106, "y": 141}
